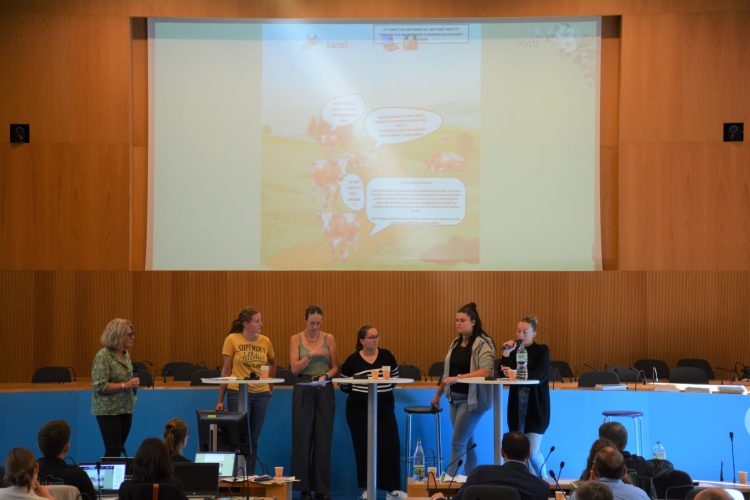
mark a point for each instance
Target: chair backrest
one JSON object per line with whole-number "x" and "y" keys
{"x": 676, "y": 484}
{"x": 490, "y": 492}
{"x": 143, "y": 366}
{"x": 563, "y": 367}
{"x": 688, "y": 375}
{"x": 185, "y": 373}
{"x": 168, "y": 369}
{"x": 591, "y": 379}
{"x": 698, "y": 363}
{"x": 147, "y": 380}
{"x": 436, "y": 370}
{"x": 648, "y": 365}
{"x": 51, "y": 375}
{"x": 63, "y": 491}
{"x": 410, "y": 371}
{"x": 625, "y": 373}
{"x": 201, "y": 373}
{"x": 150, "y": 491}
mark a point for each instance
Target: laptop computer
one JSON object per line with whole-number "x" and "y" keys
{"x": 226, "y": 461}
{"x": 128, "y": 461}
{"x": 107, "y": 479}
{"x": 199, "y": 479}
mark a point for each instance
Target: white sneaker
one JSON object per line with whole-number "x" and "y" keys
{"x": 363, "y": 496}
{"x": 396, "y": 495}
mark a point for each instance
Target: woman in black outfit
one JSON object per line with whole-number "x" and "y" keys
{"x": 369, "y": 357}
{"x": 151, "y": 465}
{"x": 528, "y": 406}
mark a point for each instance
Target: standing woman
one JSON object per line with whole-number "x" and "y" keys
{"x": 245, "y": 351}
{"x": 471, "y": 354}
{"x": 312, "y": 353}
{"x": 114, "y": 386}
{"x": 528, "y": 406}
{"x": 366, "y": 358}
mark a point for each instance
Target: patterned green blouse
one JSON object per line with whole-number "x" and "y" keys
{"x": 105, "y": 369}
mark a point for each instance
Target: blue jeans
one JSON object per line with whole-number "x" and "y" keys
{"x": 257, "y": 406}
{"x": 464, "y": 422}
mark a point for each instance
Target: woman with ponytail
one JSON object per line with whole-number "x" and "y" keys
{"x": 175, "y": 437}
{"x": 245, "y": 351}
{"x": 21, "y": 471}
{"x": 471, "y": 354}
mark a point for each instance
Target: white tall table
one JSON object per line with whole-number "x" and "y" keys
{"x": 372, "y": 422}
{"x": 498, "y": 404}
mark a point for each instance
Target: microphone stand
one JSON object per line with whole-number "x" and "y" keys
{"x": 655, "y": 375}
{"x": 453, "y": 478}
{"x": 734, "y": 473}
{"x": 541, "y": 467}
{"x": 98, "y": 480}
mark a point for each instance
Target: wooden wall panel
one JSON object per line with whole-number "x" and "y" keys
{"x": 593, "y": 318}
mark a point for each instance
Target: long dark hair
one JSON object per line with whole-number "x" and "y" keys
{"x": 152, "y": 463}
{"x": 313, "y": 310}
{"x": 470, "y": 310}
{"x": 361, "y": 334}
{"x": 246, "y": 314}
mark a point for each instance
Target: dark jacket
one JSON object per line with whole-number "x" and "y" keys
{"x": 56, "y": 471}
{"x": 513, "y": 474}
{"x": 538, "y": 409}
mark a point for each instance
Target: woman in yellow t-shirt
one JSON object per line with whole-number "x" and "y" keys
{"x": 245, "y": 351}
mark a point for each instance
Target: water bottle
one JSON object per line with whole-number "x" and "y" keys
{"x": 659, "y": 452}
{"x": 522, "y": 359}
{"x": 418, "y": 462}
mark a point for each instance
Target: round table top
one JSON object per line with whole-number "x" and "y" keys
{"x": 363, "y": 381}
{"x": 498, "y": 381}
{"x": 241, "y": 381}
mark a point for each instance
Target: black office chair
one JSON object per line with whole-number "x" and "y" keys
{"x": 698, "y": 363}
{"x": 676, "y": 484}
{"x": 143, "y": 366}
{"x": 688, "y": 375}
{"x": 563, "y": 369}
{"x": 436, "y": 371}
{"x": 410, "y": 371}
{"x": 52, "y": 375}
{"x": 185, "y": 373}
{"x": 150, "y": 491}
{"x": 592, "y": 379}
{"x": 169, "y": 368}
{"x": 648, "y": 365}
{"x": 625, "y": 373}
{"x": 145, "y": 377}
{"x": 201, "y": 373}
{"x": 490, "y": 492}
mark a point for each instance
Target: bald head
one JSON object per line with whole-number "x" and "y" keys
{"x": 609, "y": 463}
{"x": 713, "y": 494}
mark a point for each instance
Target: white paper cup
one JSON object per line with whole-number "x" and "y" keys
{"x": 742, "y": 476}
{"x": 264, "y": 371}
{"x": 386, "y": 372}
{"x": 278, "y": 471}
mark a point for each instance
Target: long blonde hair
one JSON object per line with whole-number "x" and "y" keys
{"x": 115, "y": 332}
{"x": 20, "y": 467}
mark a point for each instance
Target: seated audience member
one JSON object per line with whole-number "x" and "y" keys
{"x": 593, "y": 490}
{"x": 21, "y": 472}
{"x": 515, "y": 473}
{"x": 658, "y": 470}
{"x": 713, "y": 494}
{"x": 609, "y": 467}
{"x": 595, "y": 447}
{"x": 151, "y": 464}
{"x": 175, "y": 438}
{"x": 54, "y": 442}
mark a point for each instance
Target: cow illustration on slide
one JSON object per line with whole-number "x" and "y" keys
{"x": 342, "y": 232}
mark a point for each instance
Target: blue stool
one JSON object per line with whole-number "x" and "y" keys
{"x": 636, "y": 416}
{"x": 422, "y": 410}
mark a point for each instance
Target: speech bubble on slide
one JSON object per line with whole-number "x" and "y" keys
{"x": 353, "y": 192}
{"x": 415, "y": 201}
{"x": 343, "y": 110}
{"x": 398, "y": 125}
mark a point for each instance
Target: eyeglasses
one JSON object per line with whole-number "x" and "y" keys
{"x": 131, "y": 334}
{"x": 372, "y": 337}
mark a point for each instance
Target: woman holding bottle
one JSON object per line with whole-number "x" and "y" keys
{"x": 528, "y": 406}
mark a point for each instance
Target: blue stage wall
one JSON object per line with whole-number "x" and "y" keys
{"x": 693, "y": 427}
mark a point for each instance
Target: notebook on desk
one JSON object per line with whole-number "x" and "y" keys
{"x": 226, "y": 461}
{"x": 199, "y": 479}
{"x": 105, "y": 477}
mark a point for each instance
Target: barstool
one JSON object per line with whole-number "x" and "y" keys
{"x": 636, "y": 416}
{"x": 423, "y": 410}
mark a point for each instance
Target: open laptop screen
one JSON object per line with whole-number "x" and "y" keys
{"x": 225, "y": 461}
{"x": 108, "y": 478}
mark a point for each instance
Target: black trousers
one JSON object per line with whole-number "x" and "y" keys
{"x": 115, "y": 430}
{"x": 389, "y": 446}
{"x": 313, "y": 408}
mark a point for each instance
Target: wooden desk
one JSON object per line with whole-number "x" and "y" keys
{"x": 414, "y": 489}
{"x": 280, "y": 489}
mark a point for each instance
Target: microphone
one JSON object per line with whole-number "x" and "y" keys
{"x": 741, "y": 371}
{"x": 734, "y": 474}
{"x": 639, "y": 377}
{"x": 98, "y": 479}
{"x": 655, "y": 375}
{"x": 731, "y": 373}
{"x": 459, "y": 458}
{"x": 562, "y": 465}
{"x": 554, "y": 476}
{"x": 541, "y": 468}
{"x": 721, "y": 472}
{"x": 590, "y": 367}
{"x": 453, "y": 477}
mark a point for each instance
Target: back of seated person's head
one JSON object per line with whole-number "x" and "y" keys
{"x": 175, "y": 434}
{"x": 713, "y": 494}
{"x": 609, "y": 463}
{"x": 20, "y": 468}
{"x": 615, "y": 432}
{"x": 152, "y": 463}
{"x": 516, "y": 446}
{"x": 595, "y": 447}
{"x": 593, "y": 490}
{"x": 53, "y": 438}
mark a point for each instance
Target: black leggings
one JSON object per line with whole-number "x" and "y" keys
{"x": 115, "y": 430}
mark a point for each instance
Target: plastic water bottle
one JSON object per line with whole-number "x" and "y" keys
{"x": 522, "y": 359}
{"x": 418, "y": 462}
{"x": 659, "y": 452}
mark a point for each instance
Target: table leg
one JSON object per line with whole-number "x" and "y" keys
{"x": 498, "y": 404}
{"x": 372, "y": 438}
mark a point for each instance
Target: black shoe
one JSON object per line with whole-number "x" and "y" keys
{"x": 322, "y": 496}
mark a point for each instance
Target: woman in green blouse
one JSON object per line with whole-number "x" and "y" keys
{"x": 114, "y": 386}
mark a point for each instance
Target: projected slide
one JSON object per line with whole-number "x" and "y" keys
{"x": 413, "y": 145}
